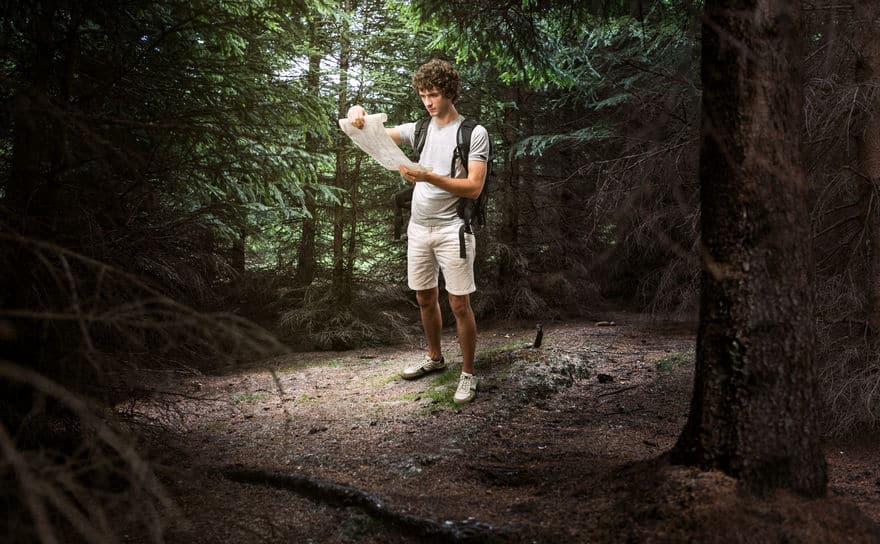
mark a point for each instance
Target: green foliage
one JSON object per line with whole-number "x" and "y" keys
{"x": 538, "y": 144}
{"x": 176, "y": 117}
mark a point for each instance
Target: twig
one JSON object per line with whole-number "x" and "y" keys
{"x": 616, "y": 391}
{"x": 28, "y": 484}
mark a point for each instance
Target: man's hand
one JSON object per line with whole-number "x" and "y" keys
{"x": 411, "y": 175}
{"x": 356, "y": 115}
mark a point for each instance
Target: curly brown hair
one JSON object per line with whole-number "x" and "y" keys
{"x": 437, "y": 74}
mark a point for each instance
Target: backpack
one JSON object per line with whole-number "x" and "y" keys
{"x": 471, "y": 210}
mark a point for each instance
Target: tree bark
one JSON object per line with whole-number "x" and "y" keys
{"x": 341, "y": 292}
{"x": 755, "y": 386}
{"x": 351, "y": 251}
{"x": 30, "y": 191}
{"x": 508, "y": 233}
{"x": 238, "y": 253}
{"x": 867, "y": 147}
{"x": 305, "y": 254}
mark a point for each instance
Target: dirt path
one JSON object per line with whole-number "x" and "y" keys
{"x": 561, "y": 445}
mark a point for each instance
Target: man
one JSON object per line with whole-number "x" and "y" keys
{"x": 433, "y": 231}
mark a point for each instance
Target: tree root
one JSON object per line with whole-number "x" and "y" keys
{"x": 343, "y": 495}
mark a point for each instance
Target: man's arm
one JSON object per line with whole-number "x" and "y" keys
{"x": 468, "y": 187}
{"x": 357, "y": 115}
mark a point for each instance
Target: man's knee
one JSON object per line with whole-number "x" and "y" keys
{"x": 426, "y": 298}
{"x": 460, "y": 304}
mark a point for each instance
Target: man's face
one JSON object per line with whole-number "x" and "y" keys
{"x": 435, "y": 102}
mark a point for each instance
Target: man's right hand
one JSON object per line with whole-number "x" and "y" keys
{"x": 357, "y": 115}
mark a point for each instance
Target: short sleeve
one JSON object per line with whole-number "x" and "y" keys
{"x": 407, "y": 133}
{"x": 479, "y": 144}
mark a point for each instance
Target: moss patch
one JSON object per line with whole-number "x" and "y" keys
{"x": 669, "y": 362}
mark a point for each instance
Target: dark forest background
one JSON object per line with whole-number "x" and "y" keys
{"x": 176, "y": 196}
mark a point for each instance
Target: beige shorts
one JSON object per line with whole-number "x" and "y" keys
{"x": 432, "y": 249}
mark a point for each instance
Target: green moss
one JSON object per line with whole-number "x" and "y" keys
{"x": 409, "y": 396}
{"x": 442, "y": 389}
{"x": 669, "y": 362}
{"x": 498, "y": 354}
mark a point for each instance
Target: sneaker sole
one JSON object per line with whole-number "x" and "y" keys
{"x": 420, "y": 374}
{"x": 464, "y": 401}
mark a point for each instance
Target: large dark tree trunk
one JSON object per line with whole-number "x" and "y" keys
{"x": 867, "y": 146}
{"x": 752, "y": 413}
{"x": 31, "y": 188}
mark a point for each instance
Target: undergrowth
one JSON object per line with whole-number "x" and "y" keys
{"x": 672, "y": 361}
{"x": 315, "y": 320}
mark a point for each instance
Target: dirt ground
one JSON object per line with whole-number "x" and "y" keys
{"x": 563, "y": 443}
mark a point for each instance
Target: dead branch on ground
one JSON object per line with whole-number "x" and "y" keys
{"x": 343, "y": 495}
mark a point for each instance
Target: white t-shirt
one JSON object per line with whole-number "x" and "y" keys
{"x": 432, "y": 206}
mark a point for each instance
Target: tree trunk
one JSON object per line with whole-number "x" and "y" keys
{"x": 305, "y": 254}
{"x": 867, "y": 147}
{"x": 30, "y": 192}
{"x": 351, "y": 252}
{"x": 338, "y": 287}
{"x": 755, "y": 386}
{"x": 508, "y": 234}
{"x": 239, "y": 253}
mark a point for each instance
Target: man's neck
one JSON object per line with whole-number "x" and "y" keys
{"x": 448, "y": 117}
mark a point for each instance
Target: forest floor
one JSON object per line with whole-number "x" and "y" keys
{"x": 564, "y": 443}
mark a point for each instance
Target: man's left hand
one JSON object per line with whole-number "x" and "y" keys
{"x": 411, "y": 175}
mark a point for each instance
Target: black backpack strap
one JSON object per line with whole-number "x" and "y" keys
{"x": 463, "y": 144}
{"x": 421, "y": 133}
{"x": 461, "y": 153}
{"x": 403, "y": 199}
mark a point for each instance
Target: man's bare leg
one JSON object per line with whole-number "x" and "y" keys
{"x": 466, "y": 325}
{"x": 432, "y": 320}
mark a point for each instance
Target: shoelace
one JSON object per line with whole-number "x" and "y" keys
{"x": 429, "y": 363}
{"x": 466, "y": 384}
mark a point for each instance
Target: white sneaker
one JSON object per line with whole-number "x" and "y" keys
{"x": 467, "y": 388}
{"x": 420, "y": 369}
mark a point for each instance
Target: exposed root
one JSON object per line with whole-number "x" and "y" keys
{"x": 343, "y": 495}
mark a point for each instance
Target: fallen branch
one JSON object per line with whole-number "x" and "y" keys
{"x": 347, "y": 496}
{"x": 616, "y": 391}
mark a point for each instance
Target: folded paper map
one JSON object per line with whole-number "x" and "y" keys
{"x": 373, "y": 139}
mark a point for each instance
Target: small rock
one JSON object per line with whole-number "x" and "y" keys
{"x": 317, "y": 429}
{"x": 605, "y": 378}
